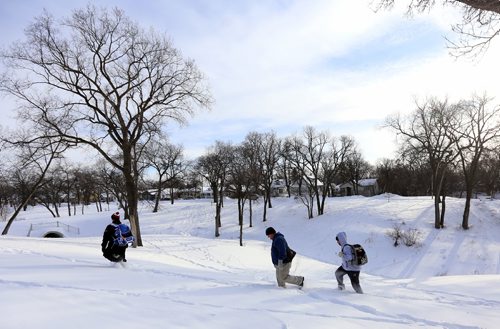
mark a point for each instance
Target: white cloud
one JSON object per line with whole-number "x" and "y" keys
{"x": 285, "y": 64}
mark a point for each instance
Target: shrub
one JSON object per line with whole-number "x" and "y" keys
{"x": 410, "y": 237}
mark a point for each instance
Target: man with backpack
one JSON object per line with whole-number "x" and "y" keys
{"x": 115, "y": 239}
{"x": 281, "y": 256}
{"x": 349, "y": 265}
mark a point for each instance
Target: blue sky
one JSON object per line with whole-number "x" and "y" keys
{"x": 281, "y": 65}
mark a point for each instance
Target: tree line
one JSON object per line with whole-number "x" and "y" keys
{"x": 313, "y": 161}
{"x": 445, "y": 149}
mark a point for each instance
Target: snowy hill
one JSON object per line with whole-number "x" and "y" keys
{"x": 185, "y": 278}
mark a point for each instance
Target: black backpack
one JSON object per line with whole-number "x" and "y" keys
{"x": 359, "y": 254}
{"x": 290, "y": 253}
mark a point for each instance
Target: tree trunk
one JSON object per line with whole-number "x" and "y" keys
{"x": 443, "y": 210}
{"x": 264, "y": 213}
{"x": 269, "y": 197}
{"x": 133, "y": 216}
{"x": 56, "y": 209}
{"x": 21, "y": 206}
{"x": 318, "y": 198}
{"x": 14, "y": 215}
{"x": 130, "y": 176}
{"x": 47, "y": 206}
{"x": 217, "y": 218}
{"x": 465, "y": 219}
{"x": 24, "y": 203}
{"x": 250, "y": 214}
{"x": 240, "y": 219}
{"x": 322, "y": 205}
{"x": 158, "y": 196}
{"x": 437, "y": 184}
{"x": 437, "y": 215}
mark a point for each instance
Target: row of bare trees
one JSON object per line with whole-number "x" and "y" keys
{"x": 446, "y": 149}
{"x": 52, "y": 183}
{"x": 314, "y": 161}
{"x": 450, "y": 137}
{"x": 45, "y": 177}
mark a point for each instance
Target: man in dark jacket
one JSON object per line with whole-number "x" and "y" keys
{"x": 281, "y": 262}
{"x": 347, "y": 267}
{"x": 110, "y": 250}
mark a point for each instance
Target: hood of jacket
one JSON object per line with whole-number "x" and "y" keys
{"x": 342, "y": 237}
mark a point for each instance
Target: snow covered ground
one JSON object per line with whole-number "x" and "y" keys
{"x": 183, "y": 277}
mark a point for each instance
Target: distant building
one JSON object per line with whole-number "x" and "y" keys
{"x": 366, "y": 187}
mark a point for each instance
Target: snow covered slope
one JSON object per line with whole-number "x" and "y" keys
{"x": 185, "y": 278}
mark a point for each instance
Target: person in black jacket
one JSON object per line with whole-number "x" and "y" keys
{"x": 110, "y": 250}
{"x": 281, "y": 262}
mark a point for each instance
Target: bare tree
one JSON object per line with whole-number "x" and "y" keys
{"x": 331, "y": 165}
{"x": 99, "y": 80}
{"x": 167, "y": 161}
{"x": 241, "y": 179}
{"x": 266, "y": 148}
{"x": 306, "y": 153}
{"x": 479, "y": 26}
{"x": 35, "y": 154}
{"x": 6, "y": 192}
{"x": 477, "y": 127}
{"x": 386, "y": 169}
{"x": 253, "y": 159}
{"x": 214, "y": 167}
{"x": 489, "y": 171}
{"x": 67, "y": 173}
{"x": 50, "y": 191}
{"x": 112, "y": 182}
{"x": 354, "y": 168}
{"x": 425, "y": 131}
{"x": 269, "y": 158}
{"x": 284, "y": 166}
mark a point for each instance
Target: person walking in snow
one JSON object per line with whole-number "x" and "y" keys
{"x": 110, "y": 250}
{"x": 282, "y": 260}
{"x": 347, "y": 267}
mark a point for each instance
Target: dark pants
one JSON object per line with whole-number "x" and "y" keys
{"x": 115, "y": 254}
{"x": 353, "y": 276}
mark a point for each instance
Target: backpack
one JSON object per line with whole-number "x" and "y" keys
{"x": 359, "y": 254}
{"x": 123, "y": 236}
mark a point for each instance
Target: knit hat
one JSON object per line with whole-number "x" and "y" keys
{"x": 116, "y": 216}
{"x": 270, "y": 230}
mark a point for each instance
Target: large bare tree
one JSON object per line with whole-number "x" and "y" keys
{"x": 480, "y": 21}
{"x": 98, "y": 79}
{"x": 426, "y": 131}
{"x": 476, "y": 130}
{"x": 306, "y": 153}
{"x": 266, "y": 148}
{"x": 331, "y": 165}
